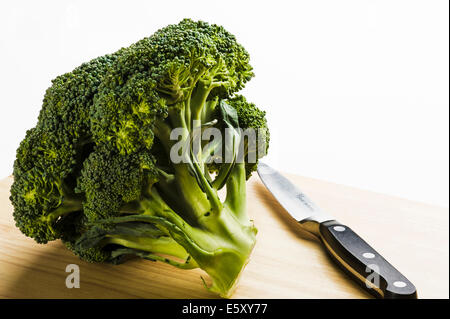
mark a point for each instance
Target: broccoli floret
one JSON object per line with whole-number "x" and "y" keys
{"x": 41, "y": 192}
{"x": 50, "y": 157}
{"x": 250, "y": 117}
{"x": 72, "y": 227}
{"x": 99, "y": 170}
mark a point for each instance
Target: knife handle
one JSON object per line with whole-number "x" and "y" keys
{"x": 363, "y": 263}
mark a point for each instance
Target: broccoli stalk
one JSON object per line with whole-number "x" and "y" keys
{"x": 196, "y": 229}
{"x": 220, "y": 244}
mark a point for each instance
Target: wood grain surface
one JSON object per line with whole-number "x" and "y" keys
{"x": 286, "y": 262}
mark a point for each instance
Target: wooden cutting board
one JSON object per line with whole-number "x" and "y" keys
{"x": 286, "y": 262}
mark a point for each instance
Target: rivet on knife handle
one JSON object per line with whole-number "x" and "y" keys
{"x": 364, "y": 264}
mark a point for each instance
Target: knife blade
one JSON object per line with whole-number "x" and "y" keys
{"x": 351, "y": 253}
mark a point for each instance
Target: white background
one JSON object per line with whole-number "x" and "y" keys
{"x": 356, "y": 92}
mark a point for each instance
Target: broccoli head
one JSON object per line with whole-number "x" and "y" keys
{"x": 118, "y": 165}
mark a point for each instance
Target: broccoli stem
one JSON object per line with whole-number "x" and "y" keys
{"x": 216, "y": 204}
{"x": 221, "y": 247}
{"x": 196, "y": 195}
{"x": 236, "y": 193}
{"x": 198, "y": 99}
{"x": 162, "y": 245}
{"x": 208, "y": 110}
{"x": 188, "y": 264}
{"x": 69, "y": 205}
{"x": 162, "y": 132}
{"x": 192, "y": 201}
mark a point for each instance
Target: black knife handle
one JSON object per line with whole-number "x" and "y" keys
{"x": 364, "y": 264}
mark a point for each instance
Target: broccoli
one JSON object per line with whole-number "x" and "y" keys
{"x": 98, "y": 170}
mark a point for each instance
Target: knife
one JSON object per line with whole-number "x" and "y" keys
{"x": 360, "y": 261}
